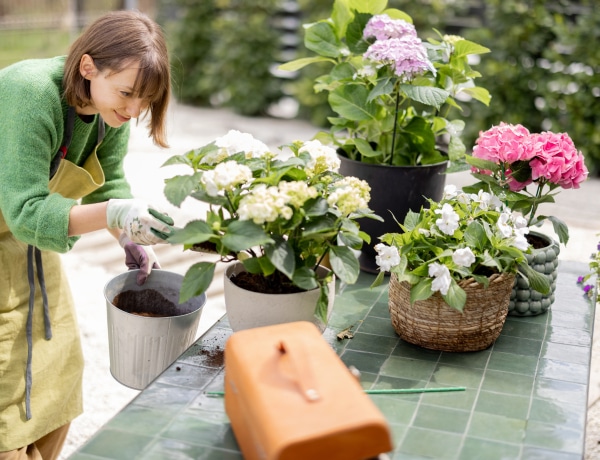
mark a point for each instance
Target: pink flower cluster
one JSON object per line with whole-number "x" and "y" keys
{"x": 552, "y": 157}
{"x": 396, "y": 43}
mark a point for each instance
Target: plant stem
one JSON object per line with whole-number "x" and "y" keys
{"x": 535, "y": 204}
{"x": 393, "y": 147}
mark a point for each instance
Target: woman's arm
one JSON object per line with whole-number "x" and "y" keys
{"x": 86, "y": 218}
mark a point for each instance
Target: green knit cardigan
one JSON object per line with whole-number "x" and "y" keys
{"x": 32, "y": 122}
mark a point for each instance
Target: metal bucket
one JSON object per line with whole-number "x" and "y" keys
{"x": 141, "y": 347}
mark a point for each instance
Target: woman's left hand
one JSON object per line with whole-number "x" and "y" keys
{"x": 138, "y": 257}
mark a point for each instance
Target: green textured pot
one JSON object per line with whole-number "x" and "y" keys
{"x": 525, "y": 301}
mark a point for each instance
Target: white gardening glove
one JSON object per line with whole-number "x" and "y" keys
{"x": 142, "y": 224}
{"x": 138, "y": 257}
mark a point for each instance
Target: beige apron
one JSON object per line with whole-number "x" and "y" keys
{"x": 54, "y": 396}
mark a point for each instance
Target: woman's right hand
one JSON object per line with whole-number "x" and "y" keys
{"x": 141, "y": 223}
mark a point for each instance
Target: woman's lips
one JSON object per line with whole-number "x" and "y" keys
{"x": 121, "y": 118}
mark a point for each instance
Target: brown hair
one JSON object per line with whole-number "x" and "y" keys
{"x": 114, "y": 41}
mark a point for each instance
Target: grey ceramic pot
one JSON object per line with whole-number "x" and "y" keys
{"x": 525, "y": 301}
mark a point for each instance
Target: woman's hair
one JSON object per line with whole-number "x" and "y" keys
{"x": 115, "y": 41}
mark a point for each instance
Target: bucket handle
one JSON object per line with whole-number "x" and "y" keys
{"x": 300, "y": 365}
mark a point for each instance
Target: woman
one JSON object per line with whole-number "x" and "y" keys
{"x": 64, "y": 129}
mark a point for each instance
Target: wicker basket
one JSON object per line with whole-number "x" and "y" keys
{"x": 433, "y": 324}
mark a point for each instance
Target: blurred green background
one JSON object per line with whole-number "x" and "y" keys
{"x": 543, "y": 71}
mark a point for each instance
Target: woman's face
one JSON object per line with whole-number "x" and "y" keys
{"x": 112, "y": 93}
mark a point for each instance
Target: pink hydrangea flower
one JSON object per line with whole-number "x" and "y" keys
{"x": 504, "y": 143}
{"x": 557, "y": 160}
{"x": 407, "y": 55}
{"x": 382, "y": 27}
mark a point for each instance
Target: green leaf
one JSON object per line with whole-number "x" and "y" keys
{"x": 281, "y": 255}
{"x": 322, "y": 304}
{"x": 365, "y": 149}
{"x": 344, "y": 264}
{"x": 383, "y": 87}
{"x": 350, "y": 102}
{"x": 368, "y": 6}
{"x": 314, "y": 208}
{"x": 397, "y": 14}
{"x": 478, "y": 93}
{"x": 421, "y": 290}
{"x": 244, "y": 234}
{"x": 456, "y": 296}
{"x": 321, "y": 38}
{"x": 480, "y": 163}
{"x": 196, "y": 231}
{"x": 177, "y": 160}
{"x": 537, "y": 281}
{"x": 466, "y": 47}
{"x": 351, "y": 240}
{"x": 341, "y": 17}
{"x": 354, "y": 34}
{"x": 427, "y": 95}
{"x": 560, "y": 228}
{"x": 178, "y": 188}
{"x": 298, "y": 64}
{"x": 197, "y": 279}
{"x": 475, "y": 236}
{"x": 305, "y": 278}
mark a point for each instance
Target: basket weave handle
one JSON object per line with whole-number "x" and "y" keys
{"x": 301, "y": 368}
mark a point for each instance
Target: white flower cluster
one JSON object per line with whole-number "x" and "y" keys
{"x": 350, "y": 195}
{"x": 225, "y": 177}
{"x": 234, "y": 142}
{"x": 510, "y": 225}
{"x": 323, "y": 158}
{"x": 266, "y": 204}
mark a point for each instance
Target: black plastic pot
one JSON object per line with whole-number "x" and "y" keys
{"x": 394, "y": 191}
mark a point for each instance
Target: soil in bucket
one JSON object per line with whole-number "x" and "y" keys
{"x": 145, "y": 302}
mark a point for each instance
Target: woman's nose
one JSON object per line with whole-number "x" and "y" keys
{"x": 134, "y": 107}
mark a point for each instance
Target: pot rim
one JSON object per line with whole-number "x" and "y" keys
{"x": 432, "y": 165}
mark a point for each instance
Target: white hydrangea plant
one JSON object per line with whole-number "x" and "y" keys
{"x": 273, "y": 213}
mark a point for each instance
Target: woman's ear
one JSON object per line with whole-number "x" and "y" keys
{"x": 87, "y": 68}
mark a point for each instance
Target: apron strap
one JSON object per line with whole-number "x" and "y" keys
{"x": 33, "y": 252}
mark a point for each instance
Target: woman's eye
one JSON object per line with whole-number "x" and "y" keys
{"x": 125, "y": 94}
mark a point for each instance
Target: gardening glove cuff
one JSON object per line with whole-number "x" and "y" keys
{"x": 141, "y": 223}
{"x": 138, "y": 257}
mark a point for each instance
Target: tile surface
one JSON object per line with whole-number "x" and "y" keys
{"x": 525, "y": 397}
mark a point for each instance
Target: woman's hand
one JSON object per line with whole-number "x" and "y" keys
{"x": 141, "y": 223}
{"x": 138, "y": 257}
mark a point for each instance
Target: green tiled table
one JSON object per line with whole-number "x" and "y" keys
{"x": 526, "y": 395}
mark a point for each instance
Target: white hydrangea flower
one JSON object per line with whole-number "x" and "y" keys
{"x": 264, "y": 204}
{"x": 387, "y": 256}
{"x": 323, "y": 158}
{"x": 448, "y": 222}
{"x": 235, "y": 142}
{"x": 350, "y": 195}
{"x": 463, "y": 257}
{"x": 297, "y": 193}
{"x": 365, "y": 72}
{"x": 225, "y": 177}
{"x": 441, "y": 276}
